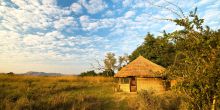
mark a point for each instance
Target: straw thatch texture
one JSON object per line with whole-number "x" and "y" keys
{"x": 141, "y": 67}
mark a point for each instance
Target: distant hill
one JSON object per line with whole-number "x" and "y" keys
{"x": 33, "y": 73}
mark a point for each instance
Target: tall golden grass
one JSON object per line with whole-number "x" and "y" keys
{"x": 19, "y": 92}
{"x": 55, "y": 78}
{"x": 73, "y": 93}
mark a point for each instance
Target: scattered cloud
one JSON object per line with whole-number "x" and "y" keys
{"x": 94, "y": 6}
{"x": 212, "y": 17}
{"x": 94, "y": 24}
{"x": 65, "y": 21}
{"x": 76, "y": 7}
{"x": 108, "y": 13}
{"x": 33, "y": 33}
{"x": 170, "y": 27}
{"x": 204, "y": 2}
{"x": 126, "y": 3}
{"x": 129, "y": 14}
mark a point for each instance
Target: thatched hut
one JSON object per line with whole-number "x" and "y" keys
{"x": 141, "y": 74}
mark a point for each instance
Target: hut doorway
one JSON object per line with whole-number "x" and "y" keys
{"x": 133, "y": 85}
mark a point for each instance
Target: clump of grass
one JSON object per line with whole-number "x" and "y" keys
{"x": 22, "y": 104}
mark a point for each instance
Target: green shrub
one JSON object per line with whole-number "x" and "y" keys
{"x": 89, "y": 73}
{"x": 160, "y": 101}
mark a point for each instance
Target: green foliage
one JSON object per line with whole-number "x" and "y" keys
{"x": 192, "y": 56}
{"x": 165, "y": 101}
{"x": 197, "y": 62}
{"x": 107, "y": 73}
{"x": 157, "y": 49}
{"x": 89, "y": 73}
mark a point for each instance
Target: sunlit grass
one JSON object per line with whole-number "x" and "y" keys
{"x": 73, "y": 93}
{"x": 61, "y": 92}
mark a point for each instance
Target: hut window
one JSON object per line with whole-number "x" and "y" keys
{"x": 125, "y": 80}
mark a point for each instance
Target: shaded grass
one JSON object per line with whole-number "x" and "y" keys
{"x": 168, "y": 100}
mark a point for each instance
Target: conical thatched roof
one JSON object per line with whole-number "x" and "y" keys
{"x": 141, "y": 67}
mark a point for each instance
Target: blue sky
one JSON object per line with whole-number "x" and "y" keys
{"x": 67, "y": 36}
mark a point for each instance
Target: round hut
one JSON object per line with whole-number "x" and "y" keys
{"x": 141, "y": 74}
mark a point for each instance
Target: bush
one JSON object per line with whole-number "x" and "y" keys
{"x": 107, "y": 73}
{"x": 89, "y": 73}
{"x": 10, "y": 73}
{"x": 165, "y": 101}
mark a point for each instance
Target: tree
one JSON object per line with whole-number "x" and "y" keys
{"x": 197, "y": 61}
{"x": 111, "y": 64}
{"x": 157, "y": 49}
{"x": 122, "y": 61}
{"x": 110, "y": 61}
{"x": 194, "y": 60}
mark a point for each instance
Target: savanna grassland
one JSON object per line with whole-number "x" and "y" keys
{"x": 19, "y": 92}
{"x": 62, "y": 93}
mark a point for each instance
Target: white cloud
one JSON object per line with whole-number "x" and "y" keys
{"x": 140, "y": 4}
{"x": 87, "y": 24}
{"x": 94, "y": 24}
{"x": 126, "y": 3}
{"x": 215, "y": 5}
{"x": 48, "y": 2}
{"x": 129, "y": 14}
{"x": 76, "y": 7}
{"x": 170, "y": 27}
{"x": 204, "y": 2}
{"x": 32, "y": 15}
{"x": 94, "y": 6}
{"x": 211, "y": 17}
{"x": 19, "y": 3}
{"x": 49, "y": 48}
{"x": 108, "y": 13}
{"x": 65, "y": 21}
{"x": 32, "y": 34}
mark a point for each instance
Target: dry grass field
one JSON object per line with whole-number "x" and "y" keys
{"x": 61, "y": 93}
{"x": 19, "y": 92}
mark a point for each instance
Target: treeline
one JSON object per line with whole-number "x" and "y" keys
{"x": 93, "y": 73}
